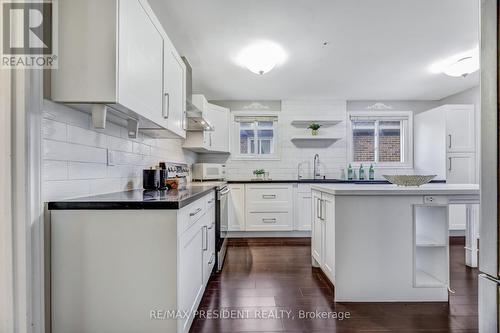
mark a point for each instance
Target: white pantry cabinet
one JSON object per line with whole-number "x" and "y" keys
{"x": 126, "y": 264}
{"x": 236, "y": 214}
{"x": 441, "y": 133}
{"x": 116, "y": 53}
{"x": 215, "y": 141}
{"x": 445, "y": 145}
{"x": 323, "y": 233}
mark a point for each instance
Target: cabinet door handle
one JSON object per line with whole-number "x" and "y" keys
{"x": 269, "y": 220}
{"x": 211, "y": 226}
{"x": 269, "y": 196}
{"x": 321, "y": 209}
{"x": 449, "y": 163}
{"x": 212, "y": 259}
{"x": 205, "y": 243}
{"x": 166, "y": 111}
{"x": 195, "y": 212}
{"x": 317, "y": 208}
{"x": 210, "y": 201}
{"x": 449, "y": 141}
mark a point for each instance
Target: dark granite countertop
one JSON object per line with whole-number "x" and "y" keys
{"x": 136, "y": 199}
{"x": 316, "y": 181}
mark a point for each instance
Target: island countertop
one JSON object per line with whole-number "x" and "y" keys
{"x": 137, "y": 199}
{"x": 390, "y": 189}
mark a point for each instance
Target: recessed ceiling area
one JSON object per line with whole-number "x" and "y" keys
{"x": 376, "y": 50}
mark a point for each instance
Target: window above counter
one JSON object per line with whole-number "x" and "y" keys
{"x": 381, "y": 138}
{"x": 255, "y": 136}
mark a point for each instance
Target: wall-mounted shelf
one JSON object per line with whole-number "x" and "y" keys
{"x": 314, "y": 141}
{"x": 324, "y": 122}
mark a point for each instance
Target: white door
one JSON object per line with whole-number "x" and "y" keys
{"x": 219, "y": 118}
{"x": 460, "y": 128}
{"x": 140, "y": 61}
{"x": 236, "y": 207}
{"x": 303, "y": 212}
{"x": 461, "y": 168}
{"x": 328, "y": 218}
{"x": 174, "y": 95}
{"x": 317, "y": 228}
{"x": 191, "y": 264}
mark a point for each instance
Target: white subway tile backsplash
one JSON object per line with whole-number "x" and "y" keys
{"x": 62, "y": 151}
{"x": 85, "y": 170}
{"x": 66, "y": 189}
{"x": 55, "y": 170}
{"x": 54, "y": 130}
{"x": 119, "y": 144}
{"x": 86, "y": 137}
{"x": 75, "y": 155}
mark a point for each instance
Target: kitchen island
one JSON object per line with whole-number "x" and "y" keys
{"x": 383, "y": 243}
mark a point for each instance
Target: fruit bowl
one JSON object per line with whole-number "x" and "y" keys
{"x": 409, "y": 180}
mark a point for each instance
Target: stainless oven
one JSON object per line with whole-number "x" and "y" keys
{"x": 221, "y": 224}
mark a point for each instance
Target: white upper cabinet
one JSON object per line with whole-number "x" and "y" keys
{"x": 174, "y": 85}
{"x": 219, "y": 118}
{"x": 216, "y": 140}
{"x": 460, "y": 133}
{"x": 140, "y": 61}
{"x": 116, "y": 53}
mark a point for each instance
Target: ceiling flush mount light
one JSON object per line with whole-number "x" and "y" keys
{"x": 261, "y": 57}
{"x": 460, "y": 65}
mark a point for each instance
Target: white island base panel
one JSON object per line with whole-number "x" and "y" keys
{"x": 390, "y": 243}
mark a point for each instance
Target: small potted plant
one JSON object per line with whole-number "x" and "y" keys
{"x": 259, "y": 173}
{"x": 314, "y": 127}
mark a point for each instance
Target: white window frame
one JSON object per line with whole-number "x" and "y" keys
{"x": 406, "y": 138}
{"x": 235, "y": 136}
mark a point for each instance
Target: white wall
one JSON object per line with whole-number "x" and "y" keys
{"x": 333, "y": 158}
{"x": 75, "y": 155}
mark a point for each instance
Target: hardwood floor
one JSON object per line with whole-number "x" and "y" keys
{"x": 265, "y": 280}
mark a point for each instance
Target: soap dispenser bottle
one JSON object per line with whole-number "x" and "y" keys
{"x": 371, "y": 173}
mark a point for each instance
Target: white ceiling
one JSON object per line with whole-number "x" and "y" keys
{"x": 378, "y": 49}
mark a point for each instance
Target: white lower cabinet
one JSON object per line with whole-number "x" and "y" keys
{"x": 192, "y": 265}
{"x": 269, "y": 207}
{"x": 303, "y": 207}
{"x": 115, "y": 270}
{"x": 323, "y": 233}
{"x": 236, "y": 207}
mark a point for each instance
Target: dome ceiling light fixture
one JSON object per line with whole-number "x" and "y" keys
{"x": 261, "y": 57}
{"x": 459, "y": 65}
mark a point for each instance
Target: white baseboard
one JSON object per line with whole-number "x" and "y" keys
{"x": 263, "y": 234}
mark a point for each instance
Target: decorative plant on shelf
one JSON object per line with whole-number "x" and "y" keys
{"x": 314, "y": 128}
{"x": 259, "y": 173}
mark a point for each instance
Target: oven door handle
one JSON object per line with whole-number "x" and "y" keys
{"x": 224, "y": 192}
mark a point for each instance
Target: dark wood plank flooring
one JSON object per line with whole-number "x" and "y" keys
{"x": 267, "y": 278}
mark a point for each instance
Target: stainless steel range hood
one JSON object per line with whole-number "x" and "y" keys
{"x": 196, "y": 120}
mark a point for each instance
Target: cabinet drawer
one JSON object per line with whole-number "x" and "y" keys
{"x": 269, "y": 198}
{"x": 191, "y": 213}
{"x": 269, "y": 193}
{"x": 269, "y": 221}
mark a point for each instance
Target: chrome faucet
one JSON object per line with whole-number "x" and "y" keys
{"x": 316, "y": 167}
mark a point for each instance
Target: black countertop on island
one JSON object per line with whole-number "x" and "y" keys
{"x": 136, "y": 199}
